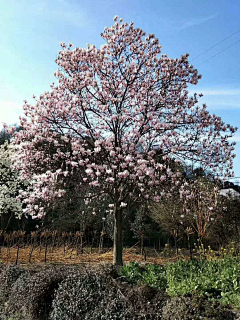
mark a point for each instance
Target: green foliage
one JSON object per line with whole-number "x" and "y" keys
{"x": 133, "y": 272}
{"x": 207, "y": 253}
{"x": 209, "y": 278}
{"x": 15, "y": 316}
{"x": 215, "y": 279}
{"x": 4, "y": 136}
{"x": 153, "y": 275}
{"x": 141, "y": 227}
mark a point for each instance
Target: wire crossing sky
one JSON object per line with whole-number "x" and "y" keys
{"x": 215, "y": 45}
{"x": 207, "y": 30}
{"x": 219, "y": 52}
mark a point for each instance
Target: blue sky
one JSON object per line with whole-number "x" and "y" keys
{"x": 31, "y": 31}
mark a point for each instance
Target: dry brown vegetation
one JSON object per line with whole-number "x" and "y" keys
{"x": 69, "y": 248}
{"x": 57, "y": 255}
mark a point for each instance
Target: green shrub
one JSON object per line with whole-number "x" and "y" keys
{"x": 214, "y": 279}
{"x": 153, "y": 275}
{"x": 133, "y": 272}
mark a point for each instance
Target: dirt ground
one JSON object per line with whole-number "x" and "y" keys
{"x": 70, "y": 256}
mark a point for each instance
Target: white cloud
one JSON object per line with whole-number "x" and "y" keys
{"x": 217, "y": 91}
{"x": 219, "y": 98}
{"x": 221, "y": 106}
{"x": 196, "y": 21}
{"x": 235, "y": 138}
{"x": 221, "y": 92}
{"x": 183, "y": 23}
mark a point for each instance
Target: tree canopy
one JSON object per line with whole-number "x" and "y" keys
{"x": 104, "y": 121}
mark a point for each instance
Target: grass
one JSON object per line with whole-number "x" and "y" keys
{"x": 214, "y": 279}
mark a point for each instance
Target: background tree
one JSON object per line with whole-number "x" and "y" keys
{"x": 227, "y": 227}
{"x": 5, "y": 135}
{"x": 141, "y": 226}
{"x": 169, "y": 214}
{"x": 10, "y": 184}
{"x": 201, "y": 206}
{"x": 103, "y": 120}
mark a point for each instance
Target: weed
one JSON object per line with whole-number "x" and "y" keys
{"x": 212, "y": 279}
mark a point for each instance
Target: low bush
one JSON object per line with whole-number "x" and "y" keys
{"x": 99, "y": 296}
{"x": 8, "y": 276}
{"x": 93, "y": 296}
{"x": 32, "y": 294}
{"x": 194, "y": 308}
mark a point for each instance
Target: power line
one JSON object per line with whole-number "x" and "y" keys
{"x": 215, "y": 45}
{"x": 233, "y": 177}
{"x": 219, "y": 52}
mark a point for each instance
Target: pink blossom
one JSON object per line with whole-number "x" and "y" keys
{"x": 97, "y": 150}
{"x": 123, "y": 204}
{"x": 89, "y": 171}
{"x": 117, "y": 118}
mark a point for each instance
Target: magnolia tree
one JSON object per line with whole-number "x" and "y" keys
{"x": 202, "y": 208}
{"x": 103, "y": 121}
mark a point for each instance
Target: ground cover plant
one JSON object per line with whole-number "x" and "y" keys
{"x": 53, "y": 292}
{"x": 214, "y": 279}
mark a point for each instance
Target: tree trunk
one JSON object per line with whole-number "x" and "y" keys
{"x": 176, "y": 245}
{"x": 117, "y": 251}
{"x": 8, "y": 223}
{"x": 141, "y": 245}
{"x": 190, "y": 247}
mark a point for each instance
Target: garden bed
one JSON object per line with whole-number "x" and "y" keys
{"x": 183, "y": 290}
